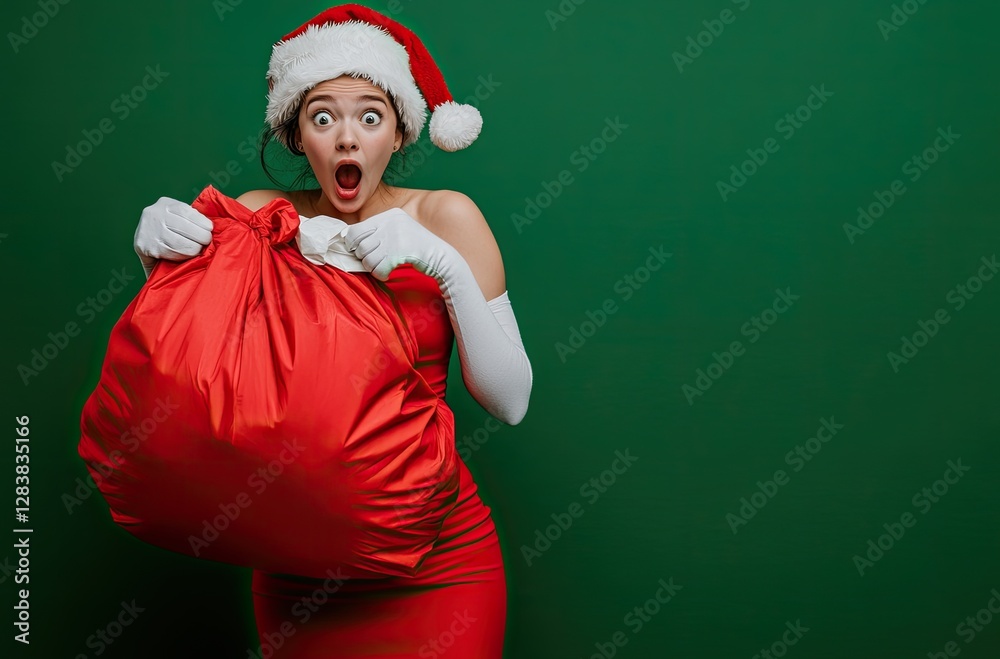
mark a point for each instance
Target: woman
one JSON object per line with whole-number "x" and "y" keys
{"x": 343, "y": 95}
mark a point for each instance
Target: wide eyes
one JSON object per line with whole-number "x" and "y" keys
{"x": 369, "y": 118}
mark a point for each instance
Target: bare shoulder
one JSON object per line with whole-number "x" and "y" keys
{"x": 456, "y": 218}
{"x": 257, "y": 199}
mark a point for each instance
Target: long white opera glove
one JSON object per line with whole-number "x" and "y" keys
{"x": 495, "y": 366}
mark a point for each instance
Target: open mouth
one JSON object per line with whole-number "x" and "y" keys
{"x": 348, "y": 177}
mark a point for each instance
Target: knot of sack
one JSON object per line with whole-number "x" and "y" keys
{"x": 276, "y": 222}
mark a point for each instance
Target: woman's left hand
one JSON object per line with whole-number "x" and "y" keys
{"x": 393, "y": 237}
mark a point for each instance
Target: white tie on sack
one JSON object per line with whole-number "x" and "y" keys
{"x": 322, "y": 241}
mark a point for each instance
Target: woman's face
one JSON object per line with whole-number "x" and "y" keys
{"x": 348, "y": 128}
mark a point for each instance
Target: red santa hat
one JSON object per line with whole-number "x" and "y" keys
{"x": 358, "y": 41}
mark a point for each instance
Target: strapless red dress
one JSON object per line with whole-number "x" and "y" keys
{"x": 454, "y": 606}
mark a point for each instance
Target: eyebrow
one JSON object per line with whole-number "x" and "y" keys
{"x": 363, "y": 97}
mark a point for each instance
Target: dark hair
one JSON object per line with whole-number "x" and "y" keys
{"x": 295, "y": 162}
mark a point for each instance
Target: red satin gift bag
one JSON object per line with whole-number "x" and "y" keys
{"x": 256, "y": 409}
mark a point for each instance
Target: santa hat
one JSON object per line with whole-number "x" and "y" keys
{"x": 358, "y": 41}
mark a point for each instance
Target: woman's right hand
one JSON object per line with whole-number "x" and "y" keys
{"x": 172, "y": 230}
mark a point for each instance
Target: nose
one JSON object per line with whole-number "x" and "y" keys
{"x": 347, "y": 140}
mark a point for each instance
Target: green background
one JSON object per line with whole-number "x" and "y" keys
{"x": 656, "y": 184}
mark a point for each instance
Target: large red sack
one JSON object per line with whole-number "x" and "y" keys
{"x": 257, "y": 409}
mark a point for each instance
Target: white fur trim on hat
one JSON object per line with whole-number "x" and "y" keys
{"x": 328, "y": 51}
{"x": 455, "y": 126}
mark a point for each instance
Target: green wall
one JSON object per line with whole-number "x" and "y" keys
{"x": 776, "y": 270}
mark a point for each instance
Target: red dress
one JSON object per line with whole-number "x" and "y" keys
{"x": 454, "y": 606}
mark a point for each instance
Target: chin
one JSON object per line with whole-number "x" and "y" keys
{"x": 348, "y": 204}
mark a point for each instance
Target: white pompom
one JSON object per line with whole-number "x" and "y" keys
{"x": 455, "y": 126}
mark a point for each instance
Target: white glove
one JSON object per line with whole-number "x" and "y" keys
{"x": 172, "y": 230}
{"x": 495, "y": 366}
